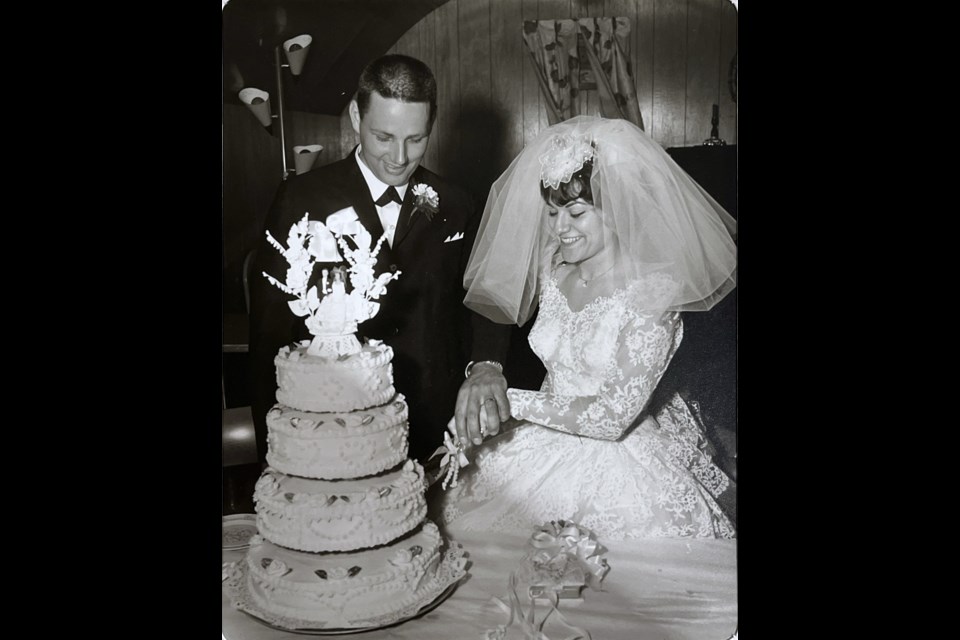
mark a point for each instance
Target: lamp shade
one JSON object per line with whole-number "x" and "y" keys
{"x": 305, "y": 156}
{"x": 259, "y": 103}
{"x": 296, "y": 51}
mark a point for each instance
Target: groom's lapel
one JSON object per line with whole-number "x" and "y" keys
{"x": 408, "y": 218}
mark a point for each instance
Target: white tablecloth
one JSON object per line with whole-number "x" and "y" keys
{"x": 657, "y": 589}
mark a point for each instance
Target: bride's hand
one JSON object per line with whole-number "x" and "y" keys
{"x": 485, "y": 389}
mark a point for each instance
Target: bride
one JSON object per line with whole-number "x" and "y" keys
{"x": 594, "y": 222}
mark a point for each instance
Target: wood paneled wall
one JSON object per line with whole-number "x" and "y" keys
{"x": 252, "y": 171}
{"x": 489, "y": 103}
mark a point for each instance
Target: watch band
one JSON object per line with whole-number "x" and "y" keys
{"x": 469, "y": 368}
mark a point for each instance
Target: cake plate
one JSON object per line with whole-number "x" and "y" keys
{"x": 237, "y": 530}
{"x": 450, "y": 572}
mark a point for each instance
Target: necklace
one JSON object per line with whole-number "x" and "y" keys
{"x": 584, "y": 281}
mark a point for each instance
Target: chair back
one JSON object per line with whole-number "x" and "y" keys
{"x": 239, "y": 440}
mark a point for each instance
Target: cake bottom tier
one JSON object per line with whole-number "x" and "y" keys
{"x": 344, "y": 590}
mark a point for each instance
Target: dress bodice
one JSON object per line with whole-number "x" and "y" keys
{"x": 579, "y": 348}
{"x": 603, "y": 362}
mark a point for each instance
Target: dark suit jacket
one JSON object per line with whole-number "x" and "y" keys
{"x": 422, "y": 314}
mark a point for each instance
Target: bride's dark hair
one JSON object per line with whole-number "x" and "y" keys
{"x": 577, "y": 187}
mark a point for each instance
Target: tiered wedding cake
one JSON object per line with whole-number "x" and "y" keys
{"x": 343, "y": 539}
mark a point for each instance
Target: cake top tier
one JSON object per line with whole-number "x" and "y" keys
{"x": 330, "y": 312}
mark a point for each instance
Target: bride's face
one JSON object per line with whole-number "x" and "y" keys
{"x": 579, "y": 226}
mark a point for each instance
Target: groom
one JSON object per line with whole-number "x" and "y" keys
{"x": 430, "y": 226}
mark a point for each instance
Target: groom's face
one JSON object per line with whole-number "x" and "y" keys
{"x": 393, "y": 136}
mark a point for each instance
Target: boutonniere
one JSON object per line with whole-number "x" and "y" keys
{"x": 426, "y": 200}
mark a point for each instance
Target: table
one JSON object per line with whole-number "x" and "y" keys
{"x": 657, "y": 589}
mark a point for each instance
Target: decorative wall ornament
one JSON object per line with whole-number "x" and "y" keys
{"x": 556, "y": 49}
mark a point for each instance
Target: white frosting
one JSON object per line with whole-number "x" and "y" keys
{"x": 337, "y": 445}
{"x": 325, "y": 515}
{"x": 337, "y": 590}
{"x": 315, "y": 383}
{"x": 342, "y": 541}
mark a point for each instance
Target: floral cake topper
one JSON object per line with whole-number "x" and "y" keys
{"x": 332, "y": 319}
{"x": 565, "y": 155}
{"x": 426, "y": 200}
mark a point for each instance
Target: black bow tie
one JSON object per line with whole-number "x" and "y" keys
{"x": 390, "y": 195}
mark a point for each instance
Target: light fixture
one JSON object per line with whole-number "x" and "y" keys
{"x": 296, "y": 51}
{"x": 259, "y": 104}
{"x": 258, "y": 101}
{"x": 305, "y": 156}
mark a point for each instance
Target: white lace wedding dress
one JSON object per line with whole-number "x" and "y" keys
{"x": 583, "y": 453}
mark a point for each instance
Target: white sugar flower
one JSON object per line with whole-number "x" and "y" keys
{"x": 401, "y": 558}
{"x": 277, "y": 569}
{"x": 267, "y": 484}
{"x": 337, "y": 573}
{"x": 296, "y": 278}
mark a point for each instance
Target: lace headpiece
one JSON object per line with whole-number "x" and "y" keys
{"x": 565, "y": 155}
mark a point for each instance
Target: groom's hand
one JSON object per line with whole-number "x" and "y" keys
{"x": 486, "y": 387}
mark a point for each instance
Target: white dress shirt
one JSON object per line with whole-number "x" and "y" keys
{"x": 390, "y": 213}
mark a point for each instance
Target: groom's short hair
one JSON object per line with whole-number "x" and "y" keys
{"x": 401, "y": 77}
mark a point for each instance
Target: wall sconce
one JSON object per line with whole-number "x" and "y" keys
{"x": 258, "y": 101}
{"x": 296, "y": 51}
{"x": 259, "y": 104}
{"x": 305, "y": 156}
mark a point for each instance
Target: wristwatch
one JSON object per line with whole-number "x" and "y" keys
{"x": 469, "y": 368}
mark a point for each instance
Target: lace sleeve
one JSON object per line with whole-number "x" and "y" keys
{"x": 646, "y": 345}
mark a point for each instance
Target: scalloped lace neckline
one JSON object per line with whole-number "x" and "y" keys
{"x": 617, "y": 293}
